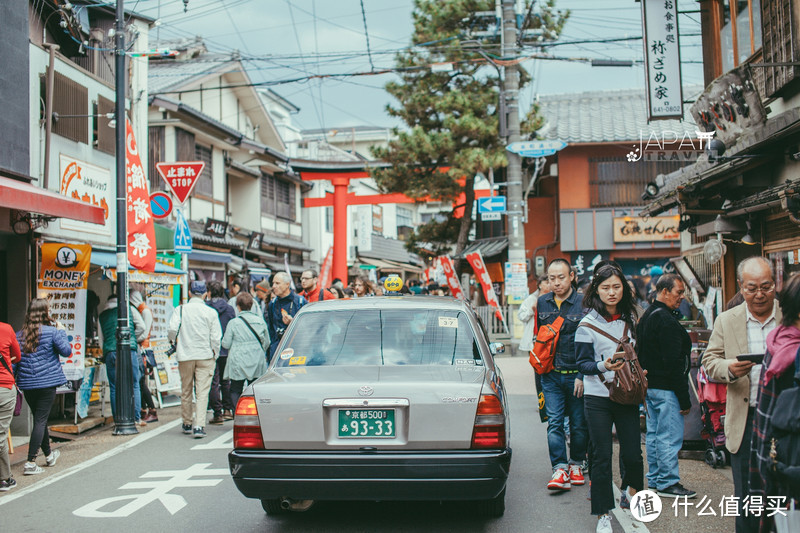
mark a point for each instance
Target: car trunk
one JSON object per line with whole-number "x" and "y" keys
{"x": 374, "y": 407}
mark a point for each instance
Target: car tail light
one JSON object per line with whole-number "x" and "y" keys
{"x": 490, "y": 423}
{"x": 246, "y": 427}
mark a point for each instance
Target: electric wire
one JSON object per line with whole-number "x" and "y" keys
{"x": 366, "y": 35}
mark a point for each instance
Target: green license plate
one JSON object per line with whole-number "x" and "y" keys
{"x": 366, "y": 423}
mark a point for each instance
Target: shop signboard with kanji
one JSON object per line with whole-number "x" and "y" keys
{"x": 89, "y": 184}
{"x": 662, "y": 59}
{"x": 181, "y": 177}
{"x": 63, "y": 280}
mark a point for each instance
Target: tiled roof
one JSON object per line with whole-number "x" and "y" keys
{"x": 607, "y": 116}
{"x": 167, "y": 74}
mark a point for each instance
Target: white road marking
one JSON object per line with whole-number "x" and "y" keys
{"x": 159, "y": 491}
{"x": 91, "y": 462}
{"x": 223, "y": 442}
{"x": 625, "y": 519}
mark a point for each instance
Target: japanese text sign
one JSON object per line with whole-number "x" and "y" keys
{"x": 141, "y": 232}
{"x": 662, "y": 59}
{"x": 181, "y": 177}
{"x": 326, "y": 270}
{"x": 452, "y": 278}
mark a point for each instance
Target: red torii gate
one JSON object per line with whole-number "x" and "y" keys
{"x": 339, "y": 173}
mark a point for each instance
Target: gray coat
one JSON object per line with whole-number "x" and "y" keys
{"x": 247, "y": 358}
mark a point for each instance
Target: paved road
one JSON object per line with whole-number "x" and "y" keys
{"x": 163, "y": 478}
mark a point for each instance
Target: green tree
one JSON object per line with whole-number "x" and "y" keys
{"x": 450, "y": 114}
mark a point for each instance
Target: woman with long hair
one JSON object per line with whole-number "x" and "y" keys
{"x": 42, "y": 341}
{"x": 611, "y": 309}
{"x": 362, "y": 287}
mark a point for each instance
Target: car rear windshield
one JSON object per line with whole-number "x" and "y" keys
{"x": 380, "y": 337}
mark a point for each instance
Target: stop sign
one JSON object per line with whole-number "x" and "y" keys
{"x": 181, "y": 177}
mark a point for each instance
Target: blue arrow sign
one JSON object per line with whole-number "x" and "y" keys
{"x": 183, "y": 236}
{"x": 536, "y": 148}
{"x": 492, "y": 204}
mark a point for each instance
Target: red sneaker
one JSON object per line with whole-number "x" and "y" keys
{"x": 560, "y": 480}
{"x": 576, "y": 475}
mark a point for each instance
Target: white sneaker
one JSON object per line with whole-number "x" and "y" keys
{"x": 31, "y": 469}
{"x": 53, "y": 457}
{"x": 604, "y": 524}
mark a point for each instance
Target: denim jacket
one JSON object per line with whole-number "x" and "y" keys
{"x": 572, "y": 311}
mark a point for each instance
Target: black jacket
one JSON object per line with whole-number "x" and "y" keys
{"x": 664, "y": 349}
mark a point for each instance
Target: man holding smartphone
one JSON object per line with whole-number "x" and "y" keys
{"x": 743, "y": 330}
{"x": 664, "y": 349}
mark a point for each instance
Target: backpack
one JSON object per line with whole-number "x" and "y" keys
{"x": 544, "y": 347}
{"x": 783, "y": 434}
{"x": 629, "y": 386}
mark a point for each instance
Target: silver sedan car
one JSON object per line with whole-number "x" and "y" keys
{"x": 386, "y": 398}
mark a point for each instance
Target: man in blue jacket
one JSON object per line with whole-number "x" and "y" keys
{"x": 220, "y": 398}
{"x": 281, "y": 309}
{"x": 563, "y": 386}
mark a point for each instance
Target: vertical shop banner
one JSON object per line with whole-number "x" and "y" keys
{"x": 662, "y": 59}
{"x": 326, "y": 270}
{"x": 141, "y": 232}
{"x": 476, "y": 261}
{"x": 452, "y": 278}
{"x": 63, "y": 279}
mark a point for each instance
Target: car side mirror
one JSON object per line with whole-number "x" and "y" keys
{"x": 497, "y": 347}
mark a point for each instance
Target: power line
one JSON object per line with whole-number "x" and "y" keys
{"x": 366, "y": 34}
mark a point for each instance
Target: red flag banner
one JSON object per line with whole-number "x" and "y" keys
{"x": 452, "y": 278}
{"x": 141, "y": 232}
{"x": 326, "y": 270}
{"x": 476, "y": 261}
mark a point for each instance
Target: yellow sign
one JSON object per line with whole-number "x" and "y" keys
{"x": 298, "y": 360}
{"x": 393, "y": 283}
{"x": 65, "y": 267}
{"x": 642, "y": 229}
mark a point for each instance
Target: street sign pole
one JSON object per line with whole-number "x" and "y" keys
{"x": 123, "y": 415}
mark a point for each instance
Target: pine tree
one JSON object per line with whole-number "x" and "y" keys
{"x": 451, "y": 116}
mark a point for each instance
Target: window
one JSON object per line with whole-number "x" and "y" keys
{"x": 104, "y": 135}
{"x": 71, "y": 101}
{"x": 205, "y": 183}
{"x": 329, "y": 219}
{"x": 781, "y": 43}
{"x": 267, "y": 195}
{"x": 740, "y": 39}
{"x": 404, "y": 217}
{"x": 277, "y": 197}
{"x": 155, "y": 153}
{"x": 387, "y": 337}
{"x": 283, "y": 198}
{"x": 615, "y": 182}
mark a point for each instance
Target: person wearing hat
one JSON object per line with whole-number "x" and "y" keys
{"x": 194, "y": 328}
{"x": 263, "y": 294}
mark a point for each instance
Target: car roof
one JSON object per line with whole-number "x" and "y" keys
{"x": 444, "y": 303}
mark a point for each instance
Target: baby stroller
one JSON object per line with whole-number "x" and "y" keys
{"x": 711, "y": 396}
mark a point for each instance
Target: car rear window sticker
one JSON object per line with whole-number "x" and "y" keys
{"x": 448, "y": 322}
{"x": 297, "y": 360}
{"x": 465, "y": 361}
{"x": 287, "y": 353}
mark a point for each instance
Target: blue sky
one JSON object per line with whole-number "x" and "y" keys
{"x": 294, "y": 38}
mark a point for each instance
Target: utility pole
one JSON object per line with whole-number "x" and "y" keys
{"x": 124, "y": 416}
{"x": 514, "y": 230}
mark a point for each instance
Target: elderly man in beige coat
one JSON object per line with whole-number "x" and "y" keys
{"x": 742, "y": 330}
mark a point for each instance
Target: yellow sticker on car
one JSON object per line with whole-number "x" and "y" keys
{"x": 297, "y": 360}
{"x": 448, "y": 322}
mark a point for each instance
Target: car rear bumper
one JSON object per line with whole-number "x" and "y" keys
{"x": 467, "y": 475}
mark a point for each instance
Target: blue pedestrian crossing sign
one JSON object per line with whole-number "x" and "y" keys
{"x": 183, "y": 236}
{"x": 492, "y": 204}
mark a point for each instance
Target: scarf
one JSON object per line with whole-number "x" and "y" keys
{"x": 782, "y": 343}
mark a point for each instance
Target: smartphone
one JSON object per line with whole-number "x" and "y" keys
{"x": 756, "y": 358}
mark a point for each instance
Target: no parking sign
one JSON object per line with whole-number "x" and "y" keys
{"x": 160, "y": 204}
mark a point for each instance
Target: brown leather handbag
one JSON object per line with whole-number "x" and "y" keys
{"x": 629, "y": 386}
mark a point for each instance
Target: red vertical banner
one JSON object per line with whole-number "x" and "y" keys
{"x": 476, "y": 261}
{"x": 326, "y": 270}
{"x": 141, "y": 232}
{"x": 452, "y": 278}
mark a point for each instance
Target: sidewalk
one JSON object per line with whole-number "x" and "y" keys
{"x": 695, "y": 473}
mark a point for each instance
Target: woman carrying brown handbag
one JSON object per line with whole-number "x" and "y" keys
{"x": 611, "y": 309}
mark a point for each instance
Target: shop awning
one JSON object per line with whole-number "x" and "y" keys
{"x": 487, "y": 247}
{"x": 105, "y": 259}
{"x": 15, "y": 194}
{"x": 210, "y": 257}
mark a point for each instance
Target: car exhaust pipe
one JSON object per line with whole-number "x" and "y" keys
{"x": 298, "y": 506}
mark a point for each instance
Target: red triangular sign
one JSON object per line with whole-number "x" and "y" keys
{"x": 181, "y": 177}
